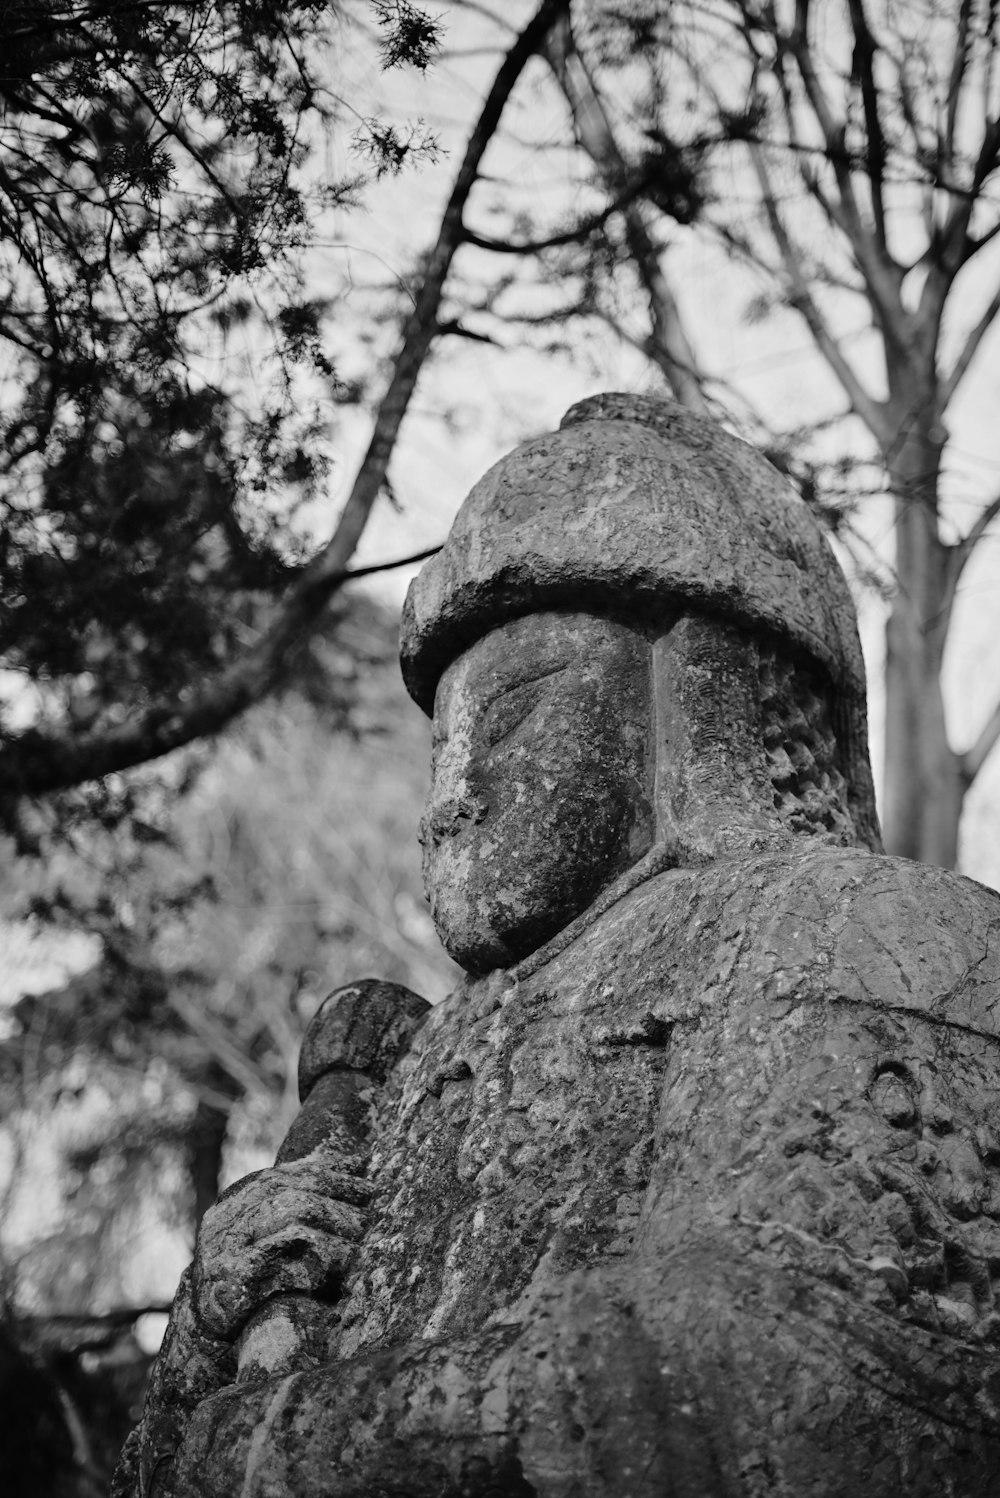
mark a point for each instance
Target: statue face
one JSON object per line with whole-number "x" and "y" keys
{"x": 541, "y": 789}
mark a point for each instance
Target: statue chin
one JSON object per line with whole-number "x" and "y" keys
{"x": 474, "y": 943}
{"x": 487, "y": 924}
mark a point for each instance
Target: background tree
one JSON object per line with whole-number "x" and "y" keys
{"x": 873, "y": 138}
{"x": 285, "y": 866}
{"x": 222, "y": 913}
{"x": 846, "y": 155}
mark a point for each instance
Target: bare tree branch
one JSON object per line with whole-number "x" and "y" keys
{"x": 579, "y": 232}
{"x": 969, "y": 350}
{"x": 674, "y": 355}
{"x": 218, "y": 1044}
{"x": 36, "y": 763}
{"x": 973, "y": 760}
{"x": 455, "y": 329}
{"x": 973, "y": 246}
{"x": 871, "y": 411}
{"x": 801, "y": 153}
{"x": 956, "y": 247}
{"x": 960, "y": 553}
{"x": 864, "y": 68}
{"x": 881, "y": 273}
{"x": 958, "y": 65}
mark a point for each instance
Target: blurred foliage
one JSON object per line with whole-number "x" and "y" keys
{"x": 70, "y": 1388}
{"x": 264, "y": 871}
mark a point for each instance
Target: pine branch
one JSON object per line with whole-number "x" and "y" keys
{"x": 36, "y": 763}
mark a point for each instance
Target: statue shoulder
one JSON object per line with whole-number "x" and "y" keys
{"x": 829, "y": 923}
{"x": 880, "y": 930}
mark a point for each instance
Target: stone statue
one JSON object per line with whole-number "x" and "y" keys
{"x": 692, "y": 1187}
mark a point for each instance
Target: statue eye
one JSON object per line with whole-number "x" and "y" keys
{"x": 510, "y": 710}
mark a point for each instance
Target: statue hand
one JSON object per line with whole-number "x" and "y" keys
{"x": 273, "y": 1252}
{"x": 290, "y": 1229}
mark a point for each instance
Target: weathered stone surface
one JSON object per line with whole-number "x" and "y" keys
{"x": 693, "y": 1186}
{"x": 633, "y": 501}
{"x": 637, "y": 505}
{"x": 668, "y": 1233}
{"x": 542, "y": 782}
{"x": 274, "y": 1250}
{"x": 364, "y": 1026}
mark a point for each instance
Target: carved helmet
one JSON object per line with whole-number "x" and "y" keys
{"x": 639, "y": 507}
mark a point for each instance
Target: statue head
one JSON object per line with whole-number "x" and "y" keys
{"x": 639, "y": 652}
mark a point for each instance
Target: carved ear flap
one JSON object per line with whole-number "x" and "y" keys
{"x": 714, "y": 797}
{"x": 748, "y": 748}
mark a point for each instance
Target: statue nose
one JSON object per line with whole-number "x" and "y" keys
{"x": 450, "y": 817}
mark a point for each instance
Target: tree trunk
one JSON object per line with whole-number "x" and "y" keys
{"x": 924, "y": 786}
{"x": 205, "y": 1146}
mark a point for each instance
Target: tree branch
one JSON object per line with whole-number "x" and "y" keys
{"x": 969, "y": 350}
{"x": 36, "y": 763}
{"x": 956, "y": 247}
{"x": 959, "y": 554}
{"x": 972, "y": 761}
{"x": 455, "y": 329}
{"x": 582, "y": 230}
{"x": 215, "y": 1040}
{"x": 865, "y": 405}
{"x": 863, "y": 66}
{"x": 959, "y": 63}
{"x": 881, "y": 273}
{"x": 674, "y": 353}
{"x": 801, "y": 153}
